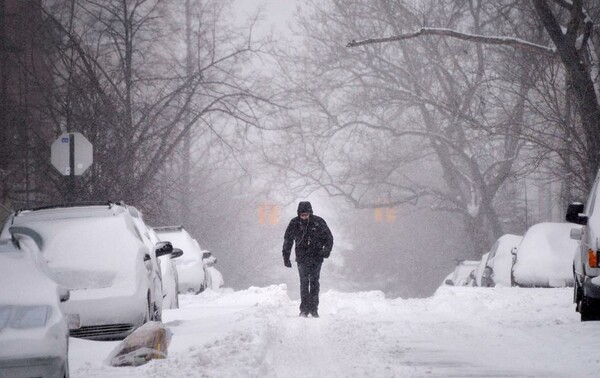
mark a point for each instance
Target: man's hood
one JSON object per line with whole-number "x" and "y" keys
{"x": 304, "y": 207}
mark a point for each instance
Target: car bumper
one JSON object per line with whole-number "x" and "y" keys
{"x": 105, "y": 315}
{"x": 47, "y": 367}
{"x": 191, "y": 278}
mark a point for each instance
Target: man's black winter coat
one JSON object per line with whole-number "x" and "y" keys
{"x": 313, "y": 239}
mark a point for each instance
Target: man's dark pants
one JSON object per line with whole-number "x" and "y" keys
{"x": 310, "y": 271}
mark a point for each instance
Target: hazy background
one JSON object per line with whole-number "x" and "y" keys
{"x": 221, "y": 115}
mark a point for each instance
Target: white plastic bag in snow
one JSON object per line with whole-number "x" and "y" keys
{"x": 148, "y": 342}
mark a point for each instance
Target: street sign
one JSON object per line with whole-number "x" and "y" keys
{"x": 71, "y": 150}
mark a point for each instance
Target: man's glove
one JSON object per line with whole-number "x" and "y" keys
{"x": 287, "y": 262}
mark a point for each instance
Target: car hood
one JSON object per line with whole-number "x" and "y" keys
{"x": 78, "y": 279}
{"x": 90, "y": 253}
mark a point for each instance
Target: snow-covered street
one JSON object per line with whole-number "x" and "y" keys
{"x": 493, "y": 332}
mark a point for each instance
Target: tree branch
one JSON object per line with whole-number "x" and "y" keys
{"x": 489, "y": 40}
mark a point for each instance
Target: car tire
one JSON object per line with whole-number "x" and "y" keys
{"x": 589, "y": 309}
{"x": 157, "y": 314}
{"x": 148, "y": 314}
{"x": 577, "y": 292}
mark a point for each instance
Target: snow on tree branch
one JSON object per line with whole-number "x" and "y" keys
{"x": 490, "y": 40}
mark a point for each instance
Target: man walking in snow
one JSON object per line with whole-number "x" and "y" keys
{"x": 313, "y": 244}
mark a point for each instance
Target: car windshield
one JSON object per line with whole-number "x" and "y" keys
{"x": 88, "y": 252}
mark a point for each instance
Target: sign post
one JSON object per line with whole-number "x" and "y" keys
{"x": 71, "y": 154}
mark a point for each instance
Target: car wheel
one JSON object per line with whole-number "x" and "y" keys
{"x": 148, "y": 314}
{"x": 157, "y": 314}
{"x": 577, "y": 291}
{"x": 589, "y": 309}
{"x": 576, "y": 294}
{"x": 67, "y": 361}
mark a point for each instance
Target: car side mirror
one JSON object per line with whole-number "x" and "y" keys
{"x": 163, "y": 248}
{"x": 576, "y": 233}
{"x": 63, "y": 294}
{"x": 574, "y": 214}
{"x": 176, "y": 253}
{"x": 449, "y": 282}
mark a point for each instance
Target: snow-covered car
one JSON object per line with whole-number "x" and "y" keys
{"x": 586, "y": 266}
{"x": 97, "y": 253}
{"x": 498, "y": 269}
{"x": 215, "y": 278}
{"x": 170, "y": 276}
{"x": 191, "y": 269}
{"x": 34, "y": 336}
{"x": 463, "y": 274}
{"x": 480, "y": 270}
{"x": 164, "y": 265}
{"x": 544, "y": 256}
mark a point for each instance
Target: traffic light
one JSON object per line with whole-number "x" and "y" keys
{"x": 385, "y": 213}
{"x": 390, "y": 214}
{"x": 268, "y": 212}
{"x": 274, "y": 214}
{"x": 261, "y": 214}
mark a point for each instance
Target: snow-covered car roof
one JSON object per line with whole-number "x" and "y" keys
{"x": 181, "y": 239}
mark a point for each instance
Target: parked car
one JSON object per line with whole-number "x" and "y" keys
{"x": 498, "y": 269}
{"x": 463, "y": 274}
{"x": 586, "y": 268}
{"x": 164, "y": 265}
{"x": 168, "y": 267}
{"x": 544, "y": 256}
{"x": 34, "y": 335}
{"x": 98, "y": 254}
{"x": 191, "y": 269}
{"x": 479, "y": 271}
{"x": 215, "y": 280}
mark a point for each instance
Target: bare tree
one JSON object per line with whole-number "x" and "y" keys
{"x": 426, "y": 120}
{"x": 122, "y": 81}
{"x": 572, "y": 27}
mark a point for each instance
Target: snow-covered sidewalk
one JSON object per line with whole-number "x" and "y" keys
{"x": 457, "y": 332}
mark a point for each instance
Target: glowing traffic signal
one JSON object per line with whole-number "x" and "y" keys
{"x": 274, "y": 214}
{"x": 390, "y": 214}
{"x": 268, "y": 213}
{"x": 387, "y": 214}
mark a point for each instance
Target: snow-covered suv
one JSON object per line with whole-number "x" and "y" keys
{"x": 586, "y": 267}
{"x": 97, "y": 252}
{"x": 191, "y": 268}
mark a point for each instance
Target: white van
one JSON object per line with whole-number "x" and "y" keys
{"x": 586, "y": 268}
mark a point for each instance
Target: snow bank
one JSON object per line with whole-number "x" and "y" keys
{"x": 459, "y": 331}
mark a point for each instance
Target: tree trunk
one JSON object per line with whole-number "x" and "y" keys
{"x": 581, "y": 80}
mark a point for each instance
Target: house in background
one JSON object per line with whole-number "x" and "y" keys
{"x": 25, "y": 81}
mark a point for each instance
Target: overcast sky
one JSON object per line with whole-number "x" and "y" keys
{"x": 276, "y": 13}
